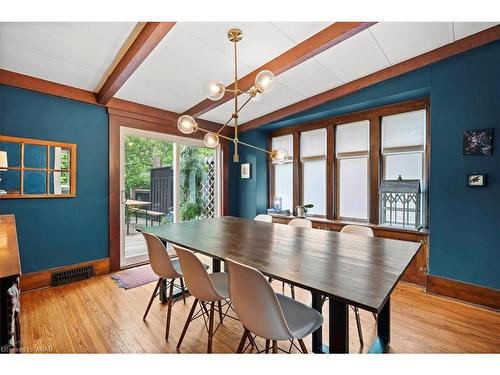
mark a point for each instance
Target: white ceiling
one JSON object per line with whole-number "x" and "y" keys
{"x": 380, "y": 46}
{"x": 174, "y": 74}
{"x": 74, "y": 54}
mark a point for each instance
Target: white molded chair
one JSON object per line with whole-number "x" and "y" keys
{"x": 358, "y": 230}
{"x": 167, "y": 269}
{"x": 265, "y": 218}
{"x": 298, "y": 222}
{"x": 207, "y": 289}
{"x": 266, "y": 314}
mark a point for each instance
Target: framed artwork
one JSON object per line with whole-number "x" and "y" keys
{"x": 478, "y": 142}
{"x": 245, "y": 170}
{"x": 476, "y": 180}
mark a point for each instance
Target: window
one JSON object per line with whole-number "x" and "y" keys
{"x": 340, "y": 167}
{"x": 313, "y": 158}
{"x": 283, "y": 173}
{"x": 403, "y": 148}
{"x": 352, "y": 152}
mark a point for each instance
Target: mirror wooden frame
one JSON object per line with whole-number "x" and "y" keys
{"x": 47, "y": 170}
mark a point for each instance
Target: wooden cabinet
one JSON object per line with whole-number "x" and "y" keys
{"x": 10, "y": 269}
{"x": 416, "y": 273}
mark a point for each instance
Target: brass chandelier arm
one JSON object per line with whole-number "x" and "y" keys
{"x": 232, "y": 116}
{"x": 236, "y": 141}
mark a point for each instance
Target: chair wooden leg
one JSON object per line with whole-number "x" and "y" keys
{"x": 152, "y": 298}
{"x": 292, "y": 289}
{"x": 169, "y": 309}
{"x": 243, "y": 341}
{"x": 302, "y": 346}
{"x": 210, "y": 327}
{"x": 190, "y": 316}
{"x": 268, "y": 345}
{"x": 358, "y": 323}
{"x": 275, "y": 347}
{"x": 183, "y": 291}
{"x": 219, "y": 305}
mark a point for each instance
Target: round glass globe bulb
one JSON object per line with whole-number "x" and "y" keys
{"x": 279, "y": 156}
{"x": 255, "y": 95}
{"x": 186, "y": 124}
{"x": 211, "y": 140}
{"x": 265, "y": 81}
{"x": 214, "y": 90}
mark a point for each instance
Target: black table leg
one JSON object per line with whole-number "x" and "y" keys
{"x": 317, "y": 336}
{"x": 383, "y": 339}
{"x": 163, "y": 291}
{"x": 338, "y": 326}
{"x": 215, "y": 265}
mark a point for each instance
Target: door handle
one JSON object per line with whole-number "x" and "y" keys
{"x": 123, "y": 196}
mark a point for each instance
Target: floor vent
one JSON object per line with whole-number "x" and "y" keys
{"x": 70, "y": 276}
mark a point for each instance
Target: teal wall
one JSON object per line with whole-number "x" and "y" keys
{"x": 61, "y": 231}
{"x": 464, "y": 222}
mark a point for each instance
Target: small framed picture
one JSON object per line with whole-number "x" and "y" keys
{"x": 478, "y": 142}
{"x": 476, "y": 180}
{"x": 245, "y": 170}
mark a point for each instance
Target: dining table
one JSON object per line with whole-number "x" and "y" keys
{"x": 349, "y": 270}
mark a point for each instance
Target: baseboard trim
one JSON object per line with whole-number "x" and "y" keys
{"x": 41, "y": 279}
{"x": 471, "y": 293}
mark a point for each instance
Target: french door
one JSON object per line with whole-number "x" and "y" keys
{"x": 163, "y": 179}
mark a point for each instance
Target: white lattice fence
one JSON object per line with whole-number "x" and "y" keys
{"x": 208, "y": 189}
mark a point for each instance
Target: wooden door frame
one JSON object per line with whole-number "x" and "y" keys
{"x": 124, "y": 119}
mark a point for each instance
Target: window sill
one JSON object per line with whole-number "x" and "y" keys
{"x": 321, "y": 220}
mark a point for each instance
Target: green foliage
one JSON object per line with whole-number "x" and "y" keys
{"x": 141, "y": 155}
{"x": 193, "y": 169}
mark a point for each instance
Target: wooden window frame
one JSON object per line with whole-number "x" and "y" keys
{"x": 47, "y": 170}
{"x": 374, "y": 116}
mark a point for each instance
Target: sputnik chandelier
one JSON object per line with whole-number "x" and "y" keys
{"x": 215, "y": 90}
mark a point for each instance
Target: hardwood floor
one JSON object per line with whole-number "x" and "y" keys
{"x": 95, "y": 316}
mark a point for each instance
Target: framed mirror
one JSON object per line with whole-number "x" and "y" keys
{"x": 31, "y": 168}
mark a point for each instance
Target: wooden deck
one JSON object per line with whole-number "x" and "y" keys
{"x": 95, "y": 316}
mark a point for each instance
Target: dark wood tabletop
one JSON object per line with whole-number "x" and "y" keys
{"x": 360, "y": 271}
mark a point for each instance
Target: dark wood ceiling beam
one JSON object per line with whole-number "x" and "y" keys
{"x": 319, "y": 42}
{"x": 145, "y": 42}
{"x": 473, "y": 41}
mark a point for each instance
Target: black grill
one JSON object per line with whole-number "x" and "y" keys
{"x": 70, "y": 276}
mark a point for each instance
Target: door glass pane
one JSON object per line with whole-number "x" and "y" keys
{"x": 314, "y": 175}
{"x": 283, "y": 184}
{"x": 197, "y": 188}
{"x": 148, "y": 189}
{"x": 353, "y": 188}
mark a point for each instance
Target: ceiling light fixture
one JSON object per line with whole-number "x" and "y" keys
{"x": 215, "y": 90}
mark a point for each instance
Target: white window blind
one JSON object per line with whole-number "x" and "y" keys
{"x": 313, "y": 157}
{"x": 285, "y": 142}
{"x": 313, "y": 143}
{"x": 352, "y": 137}
{"x": 353, "y": 188}
{"x": 314, "y": 185}
{"x": 407, "y": 165}
{"x": 403, "y": 130}
{"x": 283, "y": 173}
{"x": 283, "y": 184}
